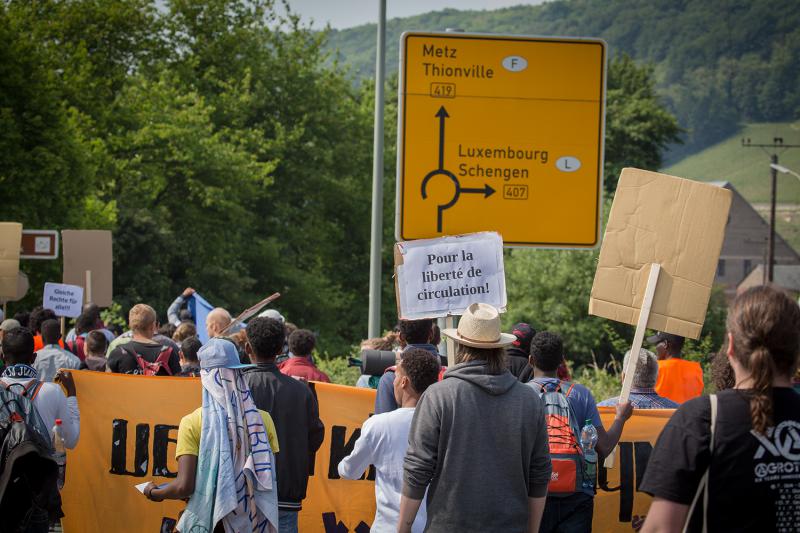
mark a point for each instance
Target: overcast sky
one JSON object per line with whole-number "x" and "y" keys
{"x": 347, "y": 13}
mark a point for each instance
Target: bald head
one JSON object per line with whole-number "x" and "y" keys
{"x": 217, "y": 320}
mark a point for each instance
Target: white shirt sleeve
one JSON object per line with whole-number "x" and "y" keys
{"x": 354, "y": 465}
{"x": 70, "y": 420}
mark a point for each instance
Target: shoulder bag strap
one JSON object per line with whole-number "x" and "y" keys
{"x": 702, "y": 488}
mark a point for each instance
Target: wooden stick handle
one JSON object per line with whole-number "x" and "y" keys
{"x": 450, "y": 322}
{"x": 641, "y": 326}
{"x": 88, "y": 292}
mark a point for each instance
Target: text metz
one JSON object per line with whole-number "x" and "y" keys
{"x": 437, "y": 51}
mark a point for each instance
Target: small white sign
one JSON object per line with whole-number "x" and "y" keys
{"x": 65, "y": 300}
{"x": 441, "y": 277}
{"x": 42, "y": 245}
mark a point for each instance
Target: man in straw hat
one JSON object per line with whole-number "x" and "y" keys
{"x": 478, "y": 440}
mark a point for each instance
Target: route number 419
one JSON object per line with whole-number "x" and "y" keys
{"x": 443, "y": 90}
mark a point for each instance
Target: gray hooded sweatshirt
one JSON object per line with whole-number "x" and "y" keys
{"x": 480, "y": 442}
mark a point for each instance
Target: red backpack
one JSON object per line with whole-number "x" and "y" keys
{"x": 147, "y": 368}
{"x": 563, "y": 433}
{"x": 78, "y": 347}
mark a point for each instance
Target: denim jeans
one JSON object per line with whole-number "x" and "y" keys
{"x": 287, "y": 521}
{"x": 570, "y": 514}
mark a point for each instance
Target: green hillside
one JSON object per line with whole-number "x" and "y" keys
{"x": 747, "y": 168}
{"x": 719, "y": 64}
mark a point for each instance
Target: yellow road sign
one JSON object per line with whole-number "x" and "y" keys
{"x": 501, "y": 133}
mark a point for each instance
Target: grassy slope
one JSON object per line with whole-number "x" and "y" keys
{"x": 748, "y": 170}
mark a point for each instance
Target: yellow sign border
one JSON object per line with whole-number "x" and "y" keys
{"x": 401, "y": 128}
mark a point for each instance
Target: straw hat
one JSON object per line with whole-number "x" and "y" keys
{"x": 479, "y": 327}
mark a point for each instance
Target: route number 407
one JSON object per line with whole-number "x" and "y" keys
{"x": 515, "y": 192}
{"x": 443, "y": 90}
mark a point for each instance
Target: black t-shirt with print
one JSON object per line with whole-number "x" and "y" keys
{"x": 754, "y": 481}
{"x": 122, "y": 361}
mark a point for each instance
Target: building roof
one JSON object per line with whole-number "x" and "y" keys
{"x": 786, "y": 276}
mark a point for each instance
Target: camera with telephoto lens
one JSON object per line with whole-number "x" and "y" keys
{"x": 374, "y": 362}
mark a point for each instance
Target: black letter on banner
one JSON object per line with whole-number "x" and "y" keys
{"x": 161, "y": 442}
{"x": 332, "y": 526}
{"x": 625, "y": 481}
{"x": 602, "y": 480}
{"x": 340, "y": 450}
{"x": 119, "y": 439}
{"x": 641, "y": 451}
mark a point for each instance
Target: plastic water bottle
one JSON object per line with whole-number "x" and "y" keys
{"x": 588, "y": 442}
{"x": 59, "y": 453}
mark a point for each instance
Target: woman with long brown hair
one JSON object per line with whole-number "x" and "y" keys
{"x": 731, "y": 462}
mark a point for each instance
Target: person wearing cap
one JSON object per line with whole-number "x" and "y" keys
{"x": 643, "y": 395}
{"x": 478, "y": 440}
{"x": 519, "y": 351}
{"x": 225, "y": 452}
{"x": 678, "y": 379}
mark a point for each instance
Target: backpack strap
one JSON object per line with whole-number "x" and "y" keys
{"x": 702, "y": 487}
{"x": 163, "y": 358}
{"x": 36, "y": 386}
{"x": 569, "y": 389}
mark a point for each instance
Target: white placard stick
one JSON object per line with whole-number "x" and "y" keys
{"x": 641, "y": 326}
{"x": 450, "y": 322}
{"x": 88, "y": 291}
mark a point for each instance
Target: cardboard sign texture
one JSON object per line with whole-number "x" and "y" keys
{"x": 678, "y": 223}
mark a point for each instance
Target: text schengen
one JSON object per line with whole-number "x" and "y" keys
{"x": 506, "y": 162}
{"x": 467, "y": 281}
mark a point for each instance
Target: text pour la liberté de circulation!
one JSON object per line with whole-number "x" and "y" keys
{"x": 491, "y": 157}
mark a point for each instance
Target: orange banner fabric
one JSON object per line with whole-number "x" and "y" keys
{"x": 129, "y": 426}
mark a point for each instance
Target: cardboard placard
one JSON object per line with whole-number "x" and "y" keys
{"x": 65, "y": 300}
{"x": 89, "y": 250}
{"x": 10, "y": 239}
{"x": 675, "y": 222}
{"x": 440, "y": 277}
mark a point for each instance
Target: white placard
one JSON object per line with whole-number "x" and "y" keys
{"x": 441, "y": 277}
{"x": 65, "y": 300}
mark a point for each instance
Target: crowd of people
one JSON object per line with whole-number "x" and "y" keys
{"x": 497, "y": 442}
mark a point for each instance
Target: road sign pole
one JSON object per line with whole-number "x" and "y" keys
{"x": 374, "y": 324}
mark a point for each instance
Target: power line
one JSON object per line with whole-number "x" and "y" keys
{"x": 777, "y": 143}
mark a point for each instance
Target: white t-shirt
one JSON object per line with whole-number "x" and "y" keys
{"x": 383, "y": 443}
{"x": 51, "y": 404}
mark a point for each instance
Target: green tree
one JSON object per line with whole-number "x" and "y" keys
{"x": 638, "y": 125}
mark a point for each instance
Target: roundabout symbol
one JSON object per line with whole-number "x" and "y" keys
{"x": 441, "y": 171}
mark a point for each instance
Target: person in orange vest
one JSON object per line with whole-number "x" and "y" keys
{"x": 678, "y": 379}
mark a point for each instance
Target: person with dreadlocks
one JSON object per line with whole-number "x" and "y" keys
{"x": 731, "y": 461}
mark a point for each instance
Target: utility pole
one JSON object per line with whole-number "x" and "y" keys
{"x": 777, "y": 143}
{"x": 374, "y": 324}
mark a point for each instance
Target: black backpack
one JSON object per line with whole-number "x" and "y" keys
{"x": 28, "y": 473}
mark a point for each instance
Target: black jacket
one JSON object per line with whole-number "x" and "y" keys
{"x": 294, "y": 409}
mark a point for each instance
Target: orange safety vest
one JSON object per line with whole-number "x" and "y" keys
{"x": 679, "y": 380}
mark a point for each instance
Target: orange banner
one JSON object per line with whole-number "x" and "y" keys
{"x": 129, "y": 426}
